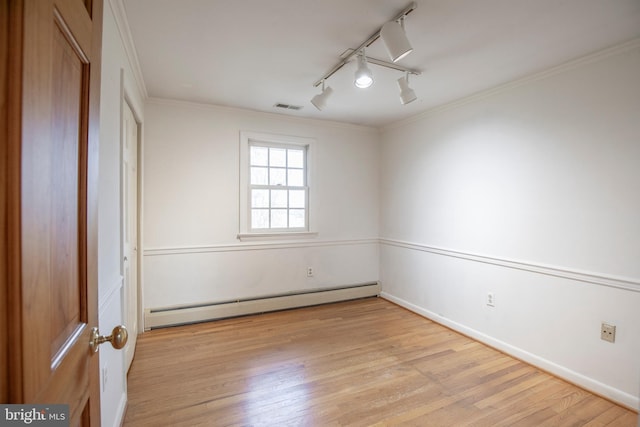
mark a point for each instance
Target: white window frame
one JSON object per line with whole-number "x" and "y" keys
{"x": 274, "y": 140}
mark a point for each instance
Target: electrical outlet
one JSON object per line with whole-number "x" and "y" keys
{"x": 309, "y": 271}
{"x": 491, "y": 299}
{"x": 608, "y": 332}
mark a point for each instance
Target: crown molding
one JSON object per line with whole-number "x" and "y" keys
{"x": 257, "y": 113}
{"x": 120, "y": 16}
{"x": 540, "y": 75}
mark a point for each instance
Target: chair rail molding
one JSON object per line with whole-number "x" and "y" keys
{"x": 549, "y": 270}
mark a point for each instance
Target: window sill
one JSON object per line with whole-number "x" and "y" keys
{"x": 248, "y": 237}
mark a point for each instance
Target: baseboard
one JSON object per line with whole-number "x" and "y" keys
{"x": 180, "y": 315}
{"x": 622, "y": 398}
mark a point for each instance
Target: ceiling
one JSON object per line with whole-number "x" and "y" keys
{"x": 253, "y": 54}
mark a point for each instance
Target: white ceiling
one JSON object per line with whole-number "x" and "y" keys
{"x": 253, "y": 54}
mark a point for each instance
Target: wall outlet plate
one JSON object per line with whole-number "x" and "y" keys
{"x": 608, "y": 332}
{"x": 491, "y": 299}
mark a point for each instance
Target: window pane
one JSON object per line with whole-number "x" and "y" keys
{"x": 296, "y": 198}
{"x": 277, "y": 157}
{"x": 278, "y": 218}
{"x": 296, "y": 218}
{"x": 259, "y": 218}
{"x": 259, "y": 198}
{"x": 296, "y": 178}
{"x": 259, "y": 176}
{"x": 278, "y": 198}
{"x": 259, "y": 156}
{"x": 277, "y": 176}
{"x": 296, "y": 158}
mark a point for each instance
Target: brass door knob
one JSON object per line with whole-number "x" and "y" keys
{"x": 118, "y": 338}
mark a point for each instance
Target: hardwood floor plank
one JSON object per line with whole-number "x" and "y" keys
{"x": 358, "y": 363}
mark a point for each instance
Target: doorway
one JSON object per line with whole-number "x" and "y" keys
{"x": 130, "y": 229}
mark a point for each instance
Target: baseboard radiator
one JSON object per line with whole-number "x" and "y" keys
{"x": 181, "y": 315}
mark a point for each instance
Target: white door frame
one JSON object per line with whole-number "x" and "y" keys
{"x": 125, "y": 102}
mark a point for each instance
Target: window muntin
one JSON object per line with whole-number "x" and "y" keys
{"x": 278, "y": 190}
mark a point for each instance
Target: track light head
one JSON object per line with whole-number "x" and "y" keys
{"x": 364, "y": 76}
{"x": 320, "y": 100}
{"x": 395, "y": 40}
{"x": 407, "y": 94}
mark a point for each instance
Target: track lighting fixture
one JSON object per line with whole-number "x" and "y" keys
{"x": 398, "y": 46}
{"x": 395, "y": 40}
{"x": 320, "y": 100}
{"x": 407, "y": 94}
{"x": 364, "y": 76}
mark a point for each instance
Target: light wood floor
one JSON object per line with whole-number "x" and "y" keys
{"x": 360, "y": 363}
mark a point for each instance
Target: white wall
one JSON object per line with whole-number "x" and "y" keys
{"x": 532, "y": 192}
{"x": 191, "y": 205}
{"x": 117, "y": 79}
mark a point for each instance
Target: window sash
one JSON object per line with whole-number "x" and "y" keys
{"x": 266, "y": 213}
{"x": 269, "y": 205}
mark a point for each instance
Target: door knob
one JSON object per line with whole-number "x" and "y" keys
{"x": 118, "y": 338}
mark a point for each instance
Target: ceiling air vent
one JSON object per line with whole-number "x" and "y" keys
{"x": 288, "y": 106}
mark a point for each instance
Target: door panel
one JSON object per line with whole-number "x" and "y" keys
{"x": 67, "y": 230}
{"x": 52, "y": 292}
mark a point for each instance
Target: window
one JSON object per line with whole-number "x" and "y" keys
{"x": 274, "y": 185}
{"x": 278, "y": 187}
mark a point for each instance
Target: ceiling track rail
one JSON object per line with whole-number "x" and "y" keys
{"x": 375, "y": 36}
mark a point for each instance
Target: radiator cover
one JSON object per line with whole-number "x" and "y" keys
{"x": 181, "y": 315}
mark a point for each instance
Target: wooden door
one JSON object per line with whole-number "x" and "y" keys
{"x": 51, "y": 199}
{"x": 4, "y": 175}
{"x": 130, "y": 228}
